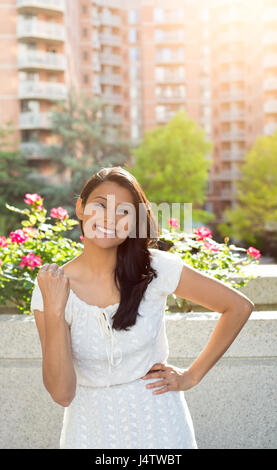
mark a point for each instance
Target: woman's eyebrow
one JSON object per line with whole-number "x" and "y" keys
{"x": 102, "y": 197}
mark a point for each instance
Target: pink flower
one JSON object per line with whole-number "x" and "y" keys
{"x": 58, "y": 213}
{"x": 31, "y": 260}
{"x": 1, "y": 262}
{"x": 211, "y": 246}
{"x": 173, "y": 221}
{"x": 202, "y": 232}
{"x": 19, "y": 236}
{"x": 33, "y": 199}
{"x": 254, "y": 252}
{"x": 82, "y": 238}
{"x": 3, "y": 241}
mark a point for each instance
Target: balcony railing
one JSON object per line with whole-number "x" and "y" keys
{"x": 31, "y": 120}
{"x": 172, "y": 37}
{"x": 234, "y": 115}
{"x": 232, "y": 155}
{"x": 170, "y": 99}
{"x": 226, "y": 175}
{"x": 110, "y": 20}
{"x": 32, "y": 150}
{"x": 40, "y": 29}
{"x": 40, "y": 59}
{"x": 270, "y": 61}
{"x": 173, "y": 58}
{"x": 270, "y": 107}
{"x": 270, "y": 84}
{"x": 110, "y": 39}
{"x": 232, "y": 95}
{"x": 111, "y": 79}
{"x": 110, "y": 59}
{"x": 233, "y": 135}
{"x": 112, "y": 98}
{"x": 166, "y": 116}
{"x": 270, "y": 128}
{"x": 170, "y": 78}
{"x": 49, "y": 5}
{"x": 232, "y": 76}
{"x": 43, "y": 90}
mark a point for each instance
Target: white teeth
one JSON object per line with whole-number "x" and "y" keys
{"x": 101, "y": 229}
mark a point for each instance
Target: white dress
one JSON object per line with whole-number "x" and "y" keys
{"x": 112, "y": 408}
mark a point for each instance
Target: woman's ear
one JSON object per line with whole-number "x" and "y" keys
{"x": 79, "y": 209}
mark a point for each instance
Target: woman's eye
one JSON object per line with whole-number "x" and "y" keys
{"x": 124, "y": 211}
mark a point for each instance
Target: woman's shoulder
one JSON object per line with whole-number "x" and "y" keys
{"x": 169, "y": 266}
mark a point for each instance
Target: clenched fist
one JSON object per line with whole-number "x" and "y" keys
{"x": 55, "y": 288}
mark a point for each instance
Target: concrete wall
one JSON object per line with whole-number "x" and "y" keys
{"x": 234, "y": 406}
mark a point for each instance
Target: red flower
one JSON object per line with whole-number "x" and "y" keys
{"x": 58, "y": 213}
{"x": 202, "y": 232}
{"x": 33, "y": 199}
{"x": 254, "y": 252}
{"x": 31, "y": 260}
{"x": 3, "y": 241}
{"x": 19, "y": 236}
{"x": 173, "y": 221}
{"x": 211, "y": 246}
{"x": 82, "y": 237}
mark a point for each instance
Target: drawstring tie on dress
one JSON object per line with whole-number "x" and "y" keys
{"x": 106, "y": 329}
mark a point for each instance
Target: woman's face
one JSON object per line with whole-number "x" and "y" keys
{"x": 109, "y": 214}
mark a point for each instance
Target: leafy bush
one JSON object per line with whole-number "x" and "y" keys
{"x": 199, "y": 250}
{"x": 39, "y": 242}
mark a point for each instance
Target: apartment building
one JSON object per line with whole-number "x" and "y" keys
{"x": 147, "y": 59}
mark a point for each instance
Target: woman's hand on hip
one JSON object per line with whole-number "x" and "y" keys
{"x": 172, "y": 378}
{"x": 55, "y": 287}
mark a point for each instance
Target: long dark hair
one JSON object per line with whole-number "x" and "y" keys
{"x": 133, "y": 270}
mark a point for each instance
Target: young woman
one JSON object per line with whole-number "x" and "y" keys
{"x": 101, "y": 323}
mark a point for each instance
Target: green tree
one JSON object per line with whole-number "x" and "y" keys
{"x": 16, "y": 178}
{"x": 171, "y": 164}
{"x": 254, "y": 219}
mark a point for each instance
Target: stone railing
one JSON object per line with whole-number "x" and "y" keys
{"x": 234, "y": 405}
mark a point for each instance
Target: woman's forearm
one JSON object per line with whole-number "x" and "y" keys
{"x": 227, "y": 328}
{"x": 58, "y": 371}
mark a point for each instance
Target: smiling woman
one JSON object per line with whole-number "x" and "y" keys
{"x": 101, "y": 323}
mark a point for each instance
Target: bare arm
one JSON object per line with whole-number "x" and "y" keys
{"x": 213, "y": 294}
{"x": 57, "y": 365}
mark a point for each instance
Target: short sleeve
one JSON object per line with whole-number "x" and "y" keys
{"x": 169, "y": 268}
{"x": 36, "y": 299}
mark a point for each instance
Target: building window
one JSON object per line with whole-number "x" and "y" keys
{"x": 159, "y": 15}
{"x": 133, "y": 16}
{"x": 134, "y": 54}
{"x": 133, "y": 35}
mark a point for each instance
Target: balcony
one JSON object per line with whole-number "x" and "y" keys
{"x": 32, "y": 120}
{"x": 33, "y": 150}
{"x": 110, "y": 20}
{"x": 233, "y": 115}
{"x": 270, "y": 107}
{"x": 270, "y": 61}
{"x": 226, "y": 175}
{"x": 232, "y": 76}
{"x": 172, "y": 59}
{"x": 110, "y": 39}
{"x": 166, "y": 116}
{"x": 114, "y": 118}
{"x": 270, "y": 128}
{"x": 49, "y": 6}
{"x": 112, "y": 98}
{"x": 110, "y": 59}
{"x": 270, "y": 84}
{"x": 41, "y": 30}
{"x": 233, "y": 135}
{"x": 270, "y": 37}
{"x": 170, "y": 99}
{"x": 41, "y": 60}
{"x": 270, "y": 15}
{"x": 232, "y": 155}
{"x": 231, "y": 36}
{"x": 42, "y": 90}
{"x": 232, "y": 95}
{"x": 227, "y": 195}
{"x": 170, "y": 37}
{"x": 170, "y": 78}
{"x": 111, "y": 79}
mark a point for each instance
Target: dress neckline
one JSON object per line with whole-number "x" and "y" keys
{"x": 90, "y": 305}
